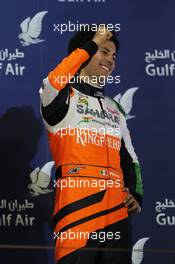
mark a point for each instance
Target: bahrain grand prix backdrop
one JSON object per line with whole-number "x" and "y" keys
{"x": 33, "y": 39}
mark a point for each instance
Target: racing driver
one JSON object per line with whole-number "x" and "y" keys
{"x": 90, "y": 144}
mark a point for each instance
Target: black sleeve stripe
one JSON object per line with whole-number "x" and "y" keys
{"x": 129, "y": 173}
{"x": 57, "y": 109}
{"x": 91, "y": 47}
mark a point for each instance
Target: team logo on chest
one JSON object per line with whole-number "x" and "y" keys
{"x": 83, "y": 99}
{"x": 86, "y": 110}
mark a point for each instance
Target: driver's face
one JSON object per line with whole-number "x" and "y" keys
{"x": 103, "y": 62}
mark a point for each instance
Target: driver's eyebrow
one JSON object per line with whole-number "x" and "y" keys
{"x": 115, "y": 54}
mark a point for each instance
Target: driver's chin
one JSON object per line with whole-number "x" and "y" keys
{"x": 104, "y": 76}
{"x": 104, "y": 73}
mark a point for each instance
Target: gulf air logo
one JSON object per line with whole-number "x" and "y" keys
{"x": 126, "y": 101}
{"x": 137, "y": 250}
{"x": 31, "y": 29}
{"x": 40, "y": 179}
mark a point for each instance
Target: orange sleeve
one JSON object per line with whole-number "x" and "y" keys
{"x": 60, "y": 76}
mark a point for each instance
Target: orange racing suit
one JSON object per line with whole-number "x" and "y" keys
{"x": 94, "y": 157}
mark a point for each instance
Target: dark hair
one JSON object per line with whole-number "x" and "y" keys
{"x": 80, "y": 38}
